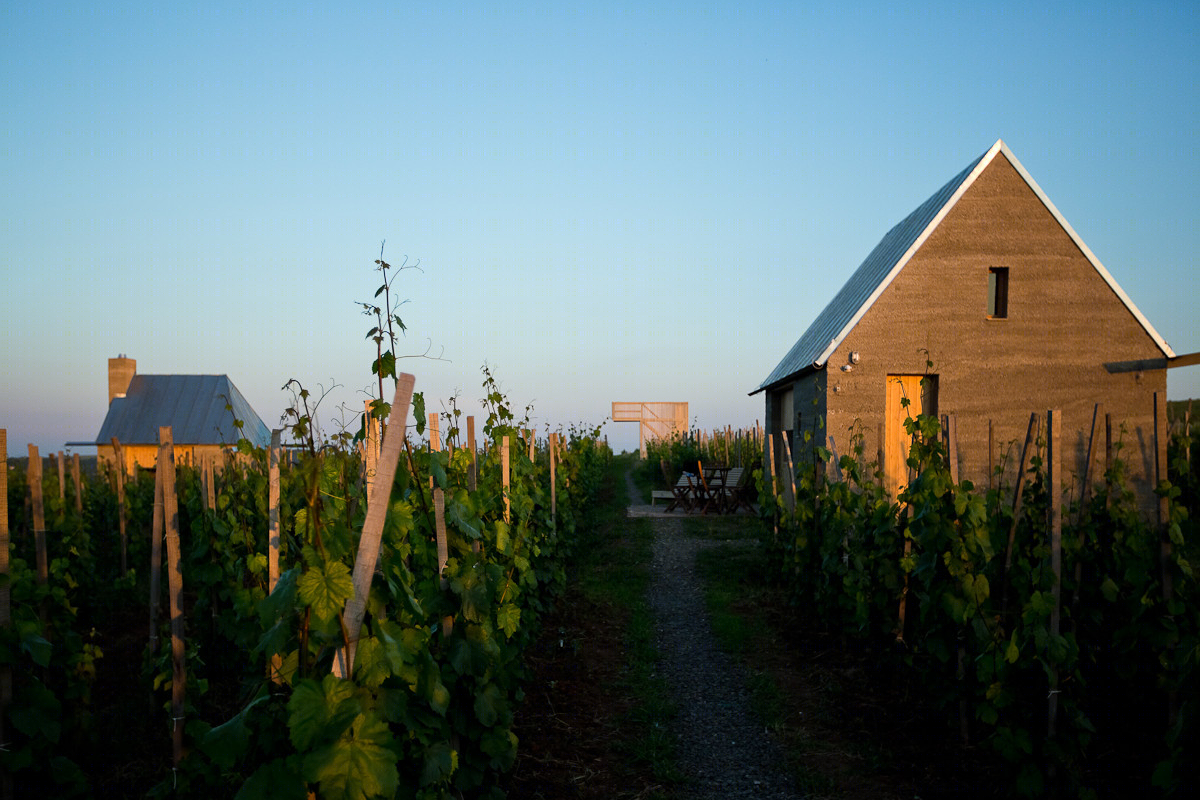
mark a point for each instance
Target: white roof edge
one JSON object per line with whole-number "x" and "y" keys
{"x": 1087, "y": 251}
{"x": 916, "y": 245}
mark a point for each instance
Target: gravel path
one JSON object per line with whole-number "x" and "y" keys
{"x": 723, "y": 751}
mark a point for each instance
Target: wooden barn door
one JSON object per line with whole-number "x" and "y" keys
{"x": 897, "y": 441}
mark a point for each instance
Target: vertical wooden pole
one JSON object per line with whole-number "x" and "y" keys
{"x": 6, "y": 788}
{"x": 504, "y": 470}
{"x": 1054, "y": 513}
{"x": 119, "y": 463}
{"x": 174, "y": 591}
{"x": 204, "y": 504}
{"x": 273, "y": 536}
{"x": 62, "y": 477}
{"x": 1089, "y": 475}
{"x": 553, "y": 480}
{"x": 788, "y": 475}
{"x": 394, "y": 436}
{"x": 208, "y": 466}
{"x": 439, "y": 525}
{"x": 531, "y": 437}
{"x": 1164, "y": 509}
{"x": 991, "y": 455}
{"x": 156, "y": 537}
{"x": 77, "y": 477}
{"x": 1019, "y": 490}
{"x": 950, "y": 439}
{"x": 473, "y": 470}
{"x": 34, "y": 476}
{"x": 370, "y": 449}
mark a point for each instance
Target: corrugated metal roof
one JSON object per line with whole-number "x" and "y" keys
{"x": 193, "y": 405}
{"x": 874, "y": 275}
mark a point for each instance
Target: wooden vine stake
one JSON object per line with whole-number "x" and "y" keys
{"x": 39, "y": 513}
{"x": 120, "y": 475}
{"x": 1026, "y": 454}
{"x": 1054, "y": 513}
{"x": 473, "y": 470}
{"x": 372, "y": 535}
{"x": 1089, "y": 475}
{"x": 504, "y": 470}
{"x": 166, "y": 464}
{"x": 1161, "y": 436}
{"x": 553, "y": 481}
{"x": 6, "y": 789}
{"x": 439, "y": 524}
{"x": 76, "y": 476}
{"x": 788, "y": 476}
{"x": 156, "y": 537}
{"x": 950, "y": 437}
{"x": 276, "y": 663}
{"x": 62, "y": 476}
{"x": 370, "y": 449}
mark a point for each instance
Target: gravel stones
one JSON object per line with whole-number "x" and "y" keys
{"x": 723, "y": 751}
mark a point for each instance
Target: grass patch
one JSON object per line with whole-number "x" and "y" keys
{"x": 615, "y": 572}
{"x": 736, "y": 598}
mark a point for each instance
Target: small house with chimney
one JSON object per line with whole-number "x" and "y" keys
{"x": 202, "y": 411}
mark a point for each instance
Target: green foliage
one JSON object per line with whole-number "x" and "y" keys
{"x": 980, "y": 634}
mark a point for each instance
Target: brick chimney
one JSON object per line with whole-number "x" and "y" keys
{"x": 120, "y": 372}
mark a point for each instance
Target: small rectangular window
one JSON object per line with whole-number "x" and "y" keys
{"x": 997, "y": 292}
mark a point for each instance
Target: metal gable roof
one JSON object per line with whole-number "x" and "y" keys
{"x": 193, "y": 405}
{"x": 895, "y": 250}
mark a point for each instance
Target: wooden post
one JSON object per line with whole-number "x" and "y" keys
{"x": 1164, "y": 508}
{"x": 34, "y": 476}
{"x": 553, "y": 481}
{"x": 166, "y": 463}
{"x": 1089, "y": 467}
{"x": 77, "y": 477}
{"x": 368, "y": 545}
{"x": 769, "y": 463}
{"x": 1026, "y": 454}
{"x": 370, "y": 449}
{"x": 119, "y": 472}
{"x": 473, "y": 470}
{"x": 788, "y": 476}
{"x": 156, "y": 537}
{"x": 991, "y": 456}
{"x": 273, "y": 536}
{"x": 1054, "y": 514}
{"x": 504, "y": 470}
{"x": 6, "y": 788}
{"x": 211, "y": 483}
{"x": 435, "y": 437}
{"x": 531, "y": 437}
{"x": 950, "y": 439}
{"x": 1089, "y": 475}
{"x": 62, "y": 477}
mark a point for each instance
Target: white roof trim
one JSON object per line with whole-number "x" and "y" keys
{"x": 998, "y": 147}
{"x": 1087, "y": 251}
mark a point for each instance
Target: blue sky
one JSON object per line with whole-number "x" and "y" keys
{"x": 608, "y": 202}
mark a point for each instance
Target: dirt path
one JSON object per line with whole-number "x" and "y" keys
{"x": 723, "y": 751}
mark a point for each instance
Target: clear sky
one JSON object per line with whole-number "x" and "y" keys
{"x": 641, "y": 201}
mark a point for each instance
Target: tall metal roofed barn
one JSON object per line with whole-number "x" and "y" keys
{"x": 988, "y": 282}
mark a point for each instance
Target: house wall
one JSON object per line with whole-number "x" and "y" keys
{"x": 808, "y": 412}
{"x": 146, "y": 455}
{"x": 1064, "y": 322}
